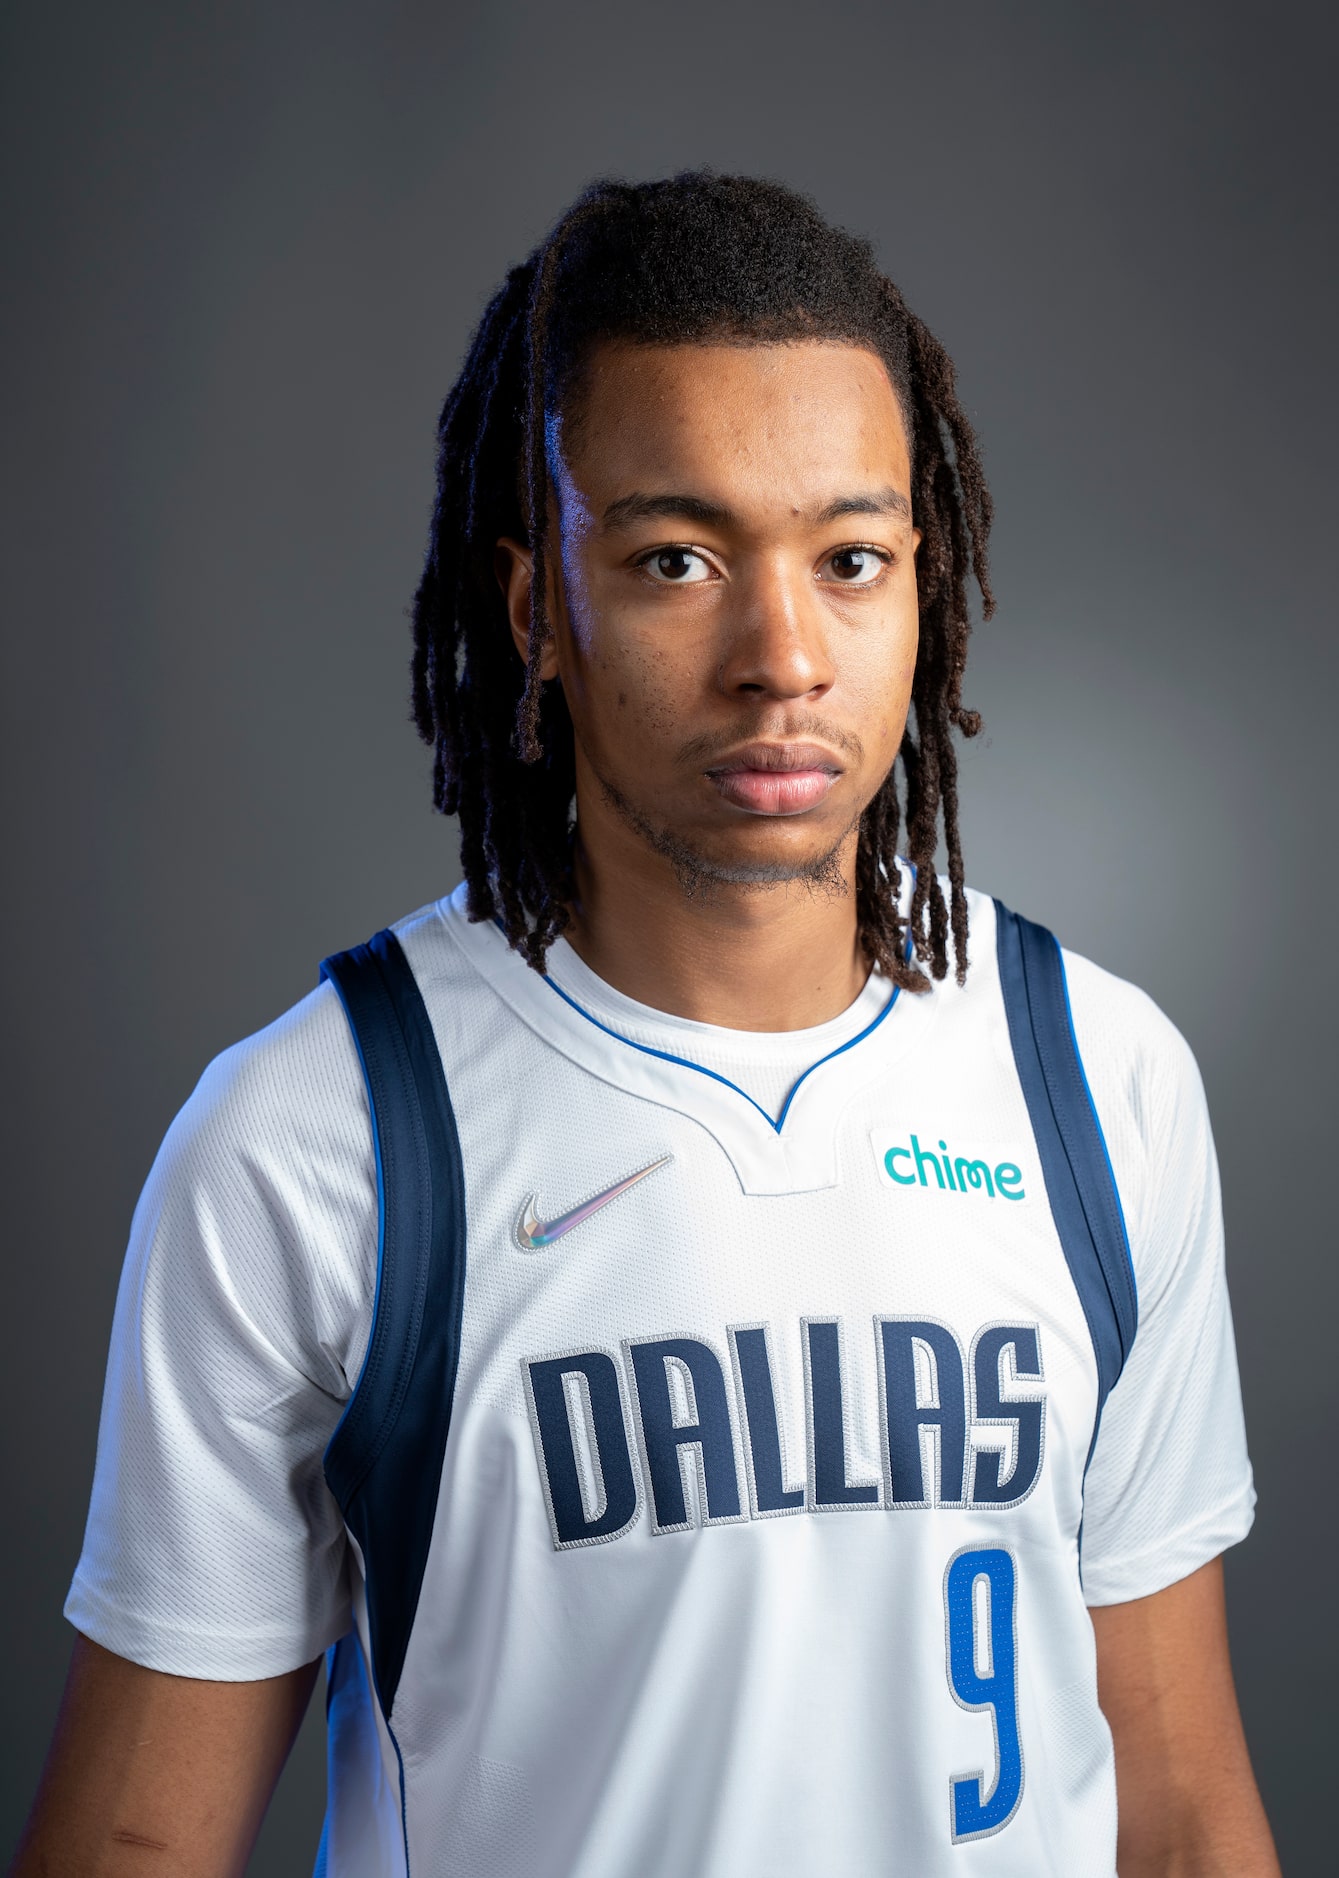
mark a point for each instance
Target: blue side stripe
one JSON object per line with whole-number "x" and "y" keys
{"x": 686, "y": 1063}
{"x": 1126, "y": 1263}
{"x": 1080, "y": 1183}
{"x": 384, "y": 1461}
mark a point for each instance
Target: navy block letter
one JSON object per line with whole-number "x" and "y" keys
{"x": 706, "y": 1428}
{"x": 988, "y": 1489}
{"x": 606, "y": 1434}
{"x": 905, "y": 1415}
{"x": 762, "y": 1430}
{"x": 827, "y": 1421}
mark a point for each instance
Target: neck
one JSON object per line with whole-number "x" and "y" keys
{"x": 781, "y": 956}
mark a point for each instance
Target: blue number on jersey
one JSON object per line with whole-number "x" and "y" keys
{"x": 975, "y": 1813}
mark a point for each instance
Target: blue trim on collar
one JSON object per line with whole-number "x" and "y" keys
{"x": 684, "y": 1062}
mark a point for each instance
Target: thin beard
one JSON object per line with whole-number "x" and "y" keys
{"x": 696, "y": 874}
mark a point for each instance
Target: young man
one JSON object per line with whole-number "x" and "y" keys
{"x": 721, "y": 1335}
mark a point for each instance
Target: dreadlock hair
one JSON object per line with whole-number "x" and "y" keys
{"x": 695, "y": 258}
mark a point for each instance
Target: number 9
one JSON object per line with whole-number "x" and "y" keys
{"x": 973, "y": 1813}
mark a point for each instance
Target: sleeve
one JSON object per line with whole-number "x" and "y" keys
{"x": 214, "y": 1548}
{"x": 1169, "y": 1483}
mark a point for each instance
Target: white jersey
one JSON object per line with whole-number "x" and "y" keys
{"x": 684, "y": 1484}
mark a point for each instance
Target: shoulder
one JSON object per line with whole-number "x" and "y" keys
{"x": 455, "y": 959}
{"x": 1139, "y": 1066}
{"x": 291, "y": 1089}
{"x": 1132, "y": 1048}
{"x": 1149, "y": 1099}
{"x": 262, "y": 1202}
{"x": 1145, "y": 1088}
{"x": 1119, "y": 1029}
{"x": 296, "y": 1087}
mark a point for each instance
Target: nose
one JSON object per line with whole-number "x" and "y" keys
{"x": 777, "y": 644}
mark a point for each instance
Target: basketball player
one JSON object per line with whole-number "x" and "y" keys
{"x": 717, "y": 1333}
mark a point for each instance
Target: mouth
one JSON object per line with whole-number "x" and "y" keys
{"x": 776, "y": 778}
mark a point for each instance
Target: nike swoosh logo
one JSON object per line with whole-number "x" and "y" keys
{"x": 533, "y": 1233}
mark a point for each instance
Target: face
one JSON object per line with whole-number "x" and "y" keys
{"x": 735, "y": 625}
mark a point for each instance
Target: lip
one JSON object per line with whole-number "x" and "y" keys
{"x": 776, "y": 778}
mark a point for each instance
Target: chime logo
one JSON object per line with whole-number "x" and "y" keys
{"x": 907, "y": 1161}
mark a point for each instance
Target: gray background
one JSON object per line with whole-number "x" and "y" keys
{"x": 245, "y": 246}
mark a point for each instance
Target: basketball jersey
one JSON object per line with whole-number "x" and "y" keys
{"x": 716, "y": 1492}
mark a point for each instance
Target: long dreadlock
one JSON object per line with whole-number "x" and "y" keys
{"x": 694, "y": 258}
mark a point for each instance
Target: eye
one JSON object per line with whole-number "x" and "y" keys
{"x": 676, "y": 567}
{"x": 857, "y": 567}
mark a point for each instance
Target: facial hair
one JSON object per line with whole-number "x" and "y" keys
{"x": 699, "y": 874}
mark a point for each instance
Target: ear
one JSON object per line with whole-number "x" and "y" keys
{"x": 515, "y": 569}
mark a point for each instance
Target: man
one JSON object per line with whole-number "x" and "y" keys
{"x": 732, "y": 1395}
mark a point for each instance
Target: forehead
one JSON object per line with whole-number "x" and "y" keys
{"x": 794, "y": 419}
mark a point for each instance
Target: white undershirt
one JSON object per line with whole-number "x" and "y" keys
{"x": 765, "y": 1064}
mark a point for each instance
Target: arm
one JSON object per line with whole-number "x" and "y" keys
{"x": 1188, "y": 1803}
{"x": 154, "y": 1773}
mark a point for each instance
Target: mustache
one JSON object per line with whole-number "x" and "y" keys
{"x": 806, "y": 727}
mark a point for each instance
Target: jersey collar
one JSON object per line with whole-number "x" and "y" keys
{"x": 795, "y": 1154}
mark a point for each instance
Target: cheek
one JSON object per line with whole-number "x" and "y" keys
{"x": 905, "y": 646}
{"x": 619, "y": 669}
{"x": 883, "y": 666}
{"x": 621, "y": 688}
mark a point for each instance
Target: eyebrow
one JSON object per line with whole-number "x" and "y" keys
{"x": 640, "y": 507}
{"x": 886, "y": 501}
{"x": 646, "y": 508}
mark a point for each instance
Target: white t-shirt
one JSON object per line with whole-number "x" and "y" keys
{"x": 766, "y": 1065}
{"x": 733, "y": 1691}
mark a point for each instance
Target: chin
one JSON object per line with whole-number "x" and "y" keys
{"x": 702, "y": 864}
{"x": 762, "y": 851}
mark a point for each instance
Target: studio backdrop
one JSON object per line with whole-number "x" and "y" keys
{"x": 245, "y": 247}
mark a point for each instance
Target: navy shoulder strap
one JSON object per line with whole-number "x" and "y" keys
{"x": 384, "y": 1461}
{"x": 1077, "y": 1170}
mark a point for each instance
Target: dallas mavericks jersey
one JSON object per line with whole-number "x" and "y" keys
{"x": 703, "y": 1493}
